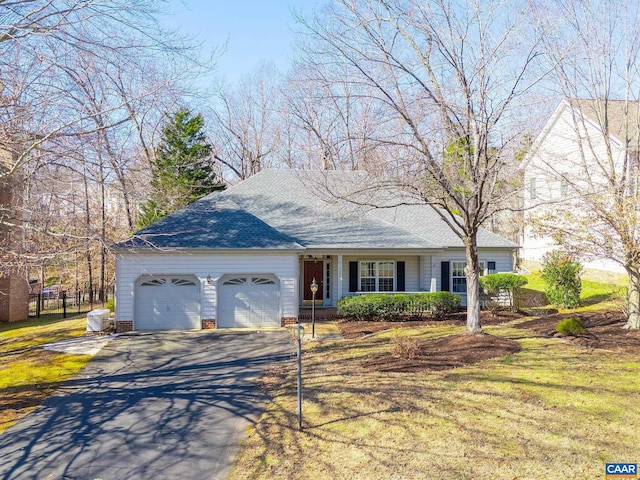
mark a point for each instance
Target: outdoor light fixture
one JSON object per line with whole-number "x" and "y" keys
{"x": 299, "y": 332}
{"x": 209, "y": 279}
{"x": 314, "y": 289}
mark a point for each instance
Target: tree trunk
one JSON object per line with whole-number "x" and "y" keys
{"x": 474, "y": 324}
{"x": 103, "y": 237}
{"x": 88, "y": 236}
{"x": 633, "y": 299}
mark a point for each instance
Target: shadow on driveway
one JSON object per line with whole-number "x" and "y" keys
{"x": 149, "y": 405}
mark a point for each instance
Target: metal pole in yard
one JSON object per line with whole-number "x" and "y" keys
{"x": 314, "y": 289}
{"x": 64, "y": 305}
{"x": 299, "y": 330}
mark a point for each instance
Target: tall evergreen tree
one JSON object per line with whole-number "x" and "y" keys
{"x": 182, "y": 172}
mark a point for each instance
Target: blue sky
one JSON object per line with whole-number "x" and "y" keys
{"x": 255, "y": 30}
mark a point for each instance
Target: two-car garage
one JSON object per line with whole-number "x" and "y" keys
{"x": 164, "y": 302}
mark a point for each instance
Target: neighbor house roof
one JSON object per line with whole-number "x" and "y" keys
{"x": 622, "y": 117}
{"x": 290, "y": 209}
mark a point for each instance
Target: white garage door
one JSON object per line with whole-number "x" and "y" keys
{"x": 167, "y": 302}
{"x": 249, "y": 301}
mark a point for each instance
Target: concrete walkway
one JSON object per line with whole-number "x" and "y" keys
{"x": 325, "y": 330}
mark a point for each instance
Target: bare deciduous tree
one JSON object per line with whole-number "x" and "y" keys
{"x": 335, "y": 122}
{"x": 246, "y": 124}
{"x": 594, "y": 48}
{"x": 446, "y": 78}
{"x": 83, "y": 87}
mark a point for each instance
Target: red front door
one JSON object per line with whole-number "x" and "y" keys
{"x": 313, "y": 269}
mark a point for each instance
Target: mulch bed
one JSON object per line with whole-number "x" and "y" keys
{"x": 413, "y": 354}
{"x": 351, "y": 330}
{"x": 443, "y": 353}
{"x": 604, "y": 330}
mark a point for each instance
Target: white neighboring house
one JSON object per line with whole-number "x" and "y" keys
{"x": 245, "y": 257}
{"x": 569, "y": 160}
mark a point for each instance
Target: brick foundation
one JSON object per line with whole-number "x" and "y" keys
{"x": 123, "y": 326}
{"x": 288, "y": 321}
{"x": 208, "y": 323}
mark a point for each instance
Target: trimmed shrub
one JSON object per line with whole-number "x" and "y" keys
{"x": 356, "y": 308}
{"x": 561, "y": 272}
{"x": 442, "y": 304}
{"x": 571, "y": 326}
{"x": 383, "y": 307}
{"x": 503, "y": 282}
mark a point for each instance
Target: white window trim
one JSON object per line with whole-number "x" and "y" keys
{"x": 328, "y": 270}
{"x": 377, "y": 277}
{"x": 483, "y": 265}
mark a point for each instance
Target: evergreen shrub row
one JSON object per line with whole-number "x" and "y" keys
{"x": 385, "y": 307}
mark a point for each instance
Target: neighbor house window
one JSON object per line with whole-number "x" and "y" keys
{"x": 377, "y": 276}
{"x": 533, "y": 193}
{"x": 459, "y": 279}
{"x": 564, "y": 188}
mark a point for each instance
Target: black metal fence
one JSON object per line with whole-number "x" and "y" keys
{"x": 66, "y": 304}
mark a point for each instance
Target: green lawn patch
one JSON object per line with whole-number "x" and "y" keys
{"x": 28, "y": 373}
{"x": 599, "y": 290}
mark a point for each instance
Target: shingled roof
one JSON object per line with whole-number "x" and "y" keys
{"x": 621, "y": 117}
{"x": 295, "y": 210}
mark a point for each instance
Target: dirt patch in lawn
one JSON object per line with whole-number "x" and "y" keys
{"x": 412, "y": 354}
{"x": 350, "y": 329}
{"x": 604, "y": 330}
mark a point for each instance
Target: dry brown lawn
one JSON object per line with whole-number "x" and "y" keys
{"x": 549, "y": 408}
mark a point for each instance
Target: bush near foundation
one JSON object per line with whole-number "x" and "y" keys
{"x": 508, "y": 283}
{"x": 391, "y": 307}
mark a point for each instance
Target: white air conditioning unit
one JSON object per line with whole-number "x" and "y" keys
{"x": 99, "y": 320}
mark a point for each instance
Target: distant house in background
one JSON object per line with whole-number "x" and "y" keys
{"x": 14, "y": 287}
{"x": 245, "y": 257}
{"x": 554, "y": 168}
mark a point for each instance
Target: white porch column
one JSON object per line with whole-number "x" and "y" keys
{"x": 425, "y": 272}
{"x": 434, "y": 285}
{"x": 339, "y": 289}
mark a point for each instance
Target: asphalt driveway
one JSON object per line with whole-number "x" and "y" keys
{"x": 163, "y": 405}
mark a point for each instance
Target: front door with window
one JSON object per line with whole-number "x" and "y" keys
{"x": 313, "y": 269}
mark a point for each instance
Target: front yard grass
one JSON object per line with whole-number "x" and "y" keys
{"x": 597, "y": 286}
{"x": 553, "y": 410}
{"x": 28, "y": 373}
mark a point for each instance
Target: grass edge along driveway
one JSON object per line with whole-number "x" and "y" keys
{"x": 28, "y": 373}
